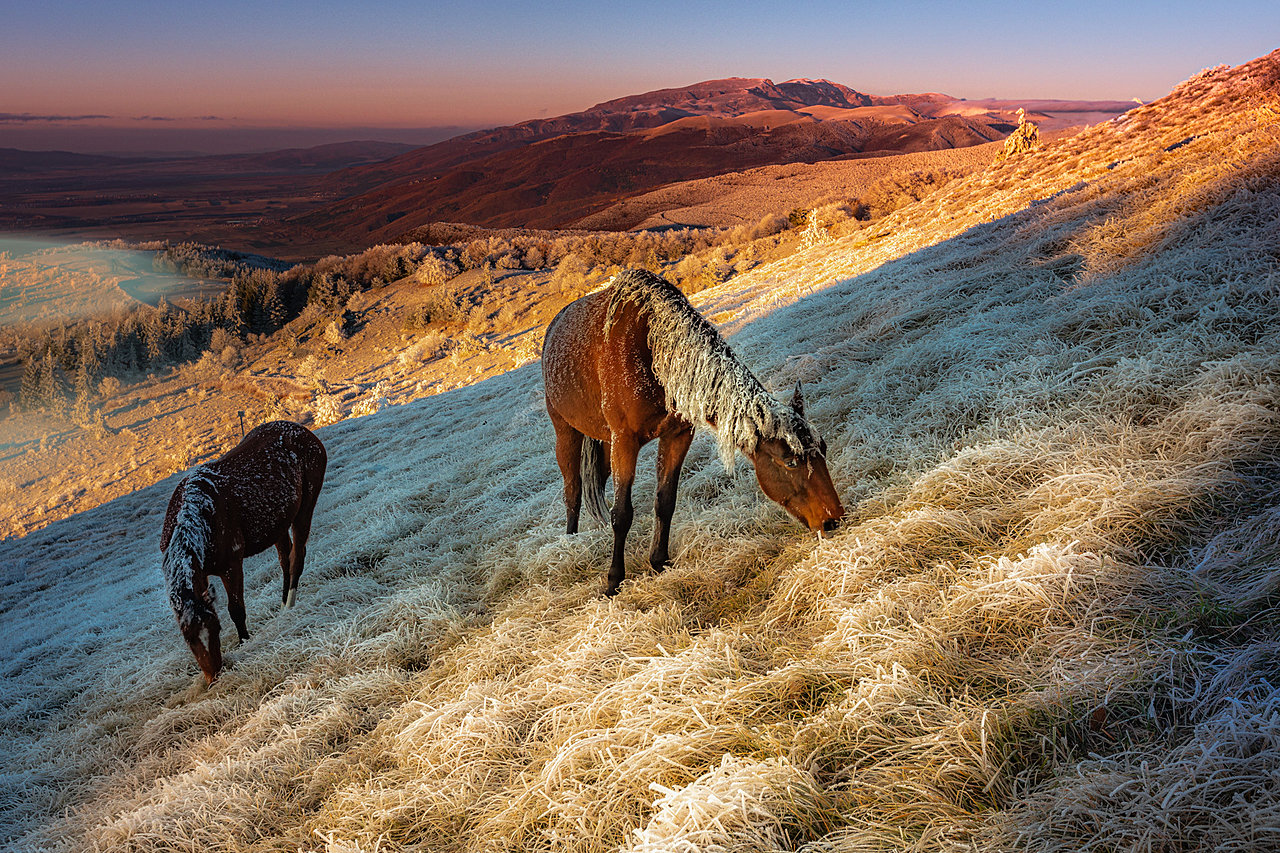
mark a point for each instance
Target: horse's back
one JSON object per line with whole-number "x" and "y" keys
{"x": 598, "y": 366}
{"x": 570, "y": 375}
{"x": 269, "y": 477}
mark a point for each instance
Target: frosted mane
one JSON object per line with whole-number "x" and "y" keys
{"x": 704, "y": 381}
{"x": 188, "y": 544}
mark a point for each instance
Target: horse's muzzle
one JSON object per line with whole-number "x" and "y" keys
{"x": 826, "y": 528}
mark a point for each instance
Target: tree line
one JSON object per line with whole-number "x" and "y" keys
{"x": 63, "y": 365}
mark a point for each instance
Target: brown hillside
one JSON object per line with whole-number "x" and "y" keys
{"x": 552, "y": 173}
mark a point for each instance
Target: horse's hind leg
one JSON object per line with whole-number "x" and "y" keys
{"x": 283, "y": 549}
{"x": 301, "y": 530}
{"x": 623, "y": 454}
{"x": 569, "y": 457}
{"x": 233, "y": 581}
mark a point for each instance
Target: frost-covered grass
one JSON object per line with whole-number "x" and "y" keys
{"x": 1049, "y": 623}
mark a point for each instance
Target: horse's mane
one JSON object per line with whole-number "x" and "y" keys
{"x": 705, "y": 383}
{"x": 187, "y": 536}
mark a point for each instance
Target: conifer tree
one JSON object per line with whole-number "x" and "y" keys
{"x": 273, "y": 305}
{"x": 153, "y": 336}
{"x": 53, "y": 386}
{"x": 29, "y": 390}
{"x": 82, "y": 388}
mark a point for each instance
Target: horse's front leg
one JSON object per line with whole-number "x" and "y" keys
{"x": 622, "y": 459}
{"x": 672, "y": 448}
{"x": 233, "y": 582}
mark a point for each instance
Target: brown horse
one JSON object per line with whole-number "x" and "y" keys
{"x": 635, "y": 362}
{"x": 232, "y": 508}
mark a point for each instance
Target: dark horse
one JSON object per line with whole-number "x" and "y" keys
{"x": 635, "y": 362}
{"x": 232, "y": 508}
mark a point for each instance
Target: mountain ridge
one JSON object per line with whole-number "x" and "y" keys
{"x": 591, "y": 159}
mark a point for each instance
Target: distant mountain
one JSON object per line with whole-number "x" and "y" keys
{"x": 550, "y": 173}
{"x": 14, "y": 161}
{"x": 316, "y": 159}
{"x": 320, "y": 159}
{"x": 545, "y": 173}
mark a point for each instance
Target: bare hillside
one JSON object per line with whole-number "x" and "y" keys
{"x": 1051, "y": 394}
{"x": 744, "y": 197}
{"x": 550, "y": 173}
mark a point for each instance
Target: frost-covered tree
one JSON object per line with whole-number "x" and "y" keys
{"x": 52, "y": 393}
{"x": 1025, "y": 138}
{"x": 29, "y": 390}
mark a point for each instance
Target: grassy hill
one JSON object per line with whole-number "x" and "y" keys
{"x": 1051, "y": 390}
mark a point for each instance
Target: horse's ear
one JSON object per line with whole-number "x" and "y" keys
{"x": 797, "y": 400}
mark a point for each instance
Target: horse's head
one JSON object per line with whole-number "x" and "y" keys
{"x": 799, "y": 481}
{"x": 202, "y": 631}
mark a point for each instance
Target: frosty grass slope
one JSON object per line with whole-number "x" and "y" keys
{"x": 1051, "y": 394}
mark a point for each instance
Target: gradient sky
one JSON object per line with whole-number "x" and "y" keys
{"x": 392, "y": 64}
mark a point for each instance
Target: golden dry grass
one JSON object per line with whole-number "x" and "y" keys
{"x": 1049, "y": 623}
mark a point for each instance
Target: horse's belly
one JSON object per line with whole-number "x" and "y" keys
{"x": 267, "y": 507}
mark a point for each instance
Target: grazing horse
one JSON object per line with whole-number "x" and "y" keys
{"x": 232, "y": 508}
{"x": 634, "y": 362}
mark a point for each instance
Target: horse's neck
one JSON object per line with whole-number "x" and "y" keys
{"x": 197, "y": 523}
{"x": 704, "y": 380}
{"x": 707, "y": 384}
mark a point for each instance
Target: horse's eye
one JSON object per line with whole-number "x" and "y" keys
{"x": 792, "y": 462}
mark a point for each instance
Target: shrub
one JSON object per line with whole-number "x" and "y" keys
{"x": 336, "y": 332}
{"x": 444, "y": 305}
{"x": 109, "y": 386}
{"x": 435, "y": 270}
{"x": 1025, "y": 138}
{"x": 327, "y": 409}
{"x": 429, "y": 347}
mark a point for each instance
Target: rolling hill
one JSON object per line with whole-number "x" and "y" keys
{"x": 1052, "y": 396}
{"x": 550, "y": 173}
{"x": 303, "y": 203}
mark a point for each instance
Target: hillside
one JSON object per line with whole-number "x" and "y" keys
{"x": 736, "y": 198}
{"x": 1050, "y": 391}
{"x": 154, "y": 425}
{"x": 299, "y": 204}
{"x": 550, "y": 173}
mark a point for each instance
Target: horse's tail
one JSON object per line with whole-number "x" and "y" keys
{"x": 595, "y": 470}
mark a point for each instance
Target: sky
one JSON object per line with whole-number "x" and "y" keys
{"x": 399, "y": 70}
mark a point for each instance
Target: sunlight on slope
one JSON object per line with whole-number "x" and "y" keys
{"x": 1048, "y": 624}
{"x": 1126, "y": 181}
